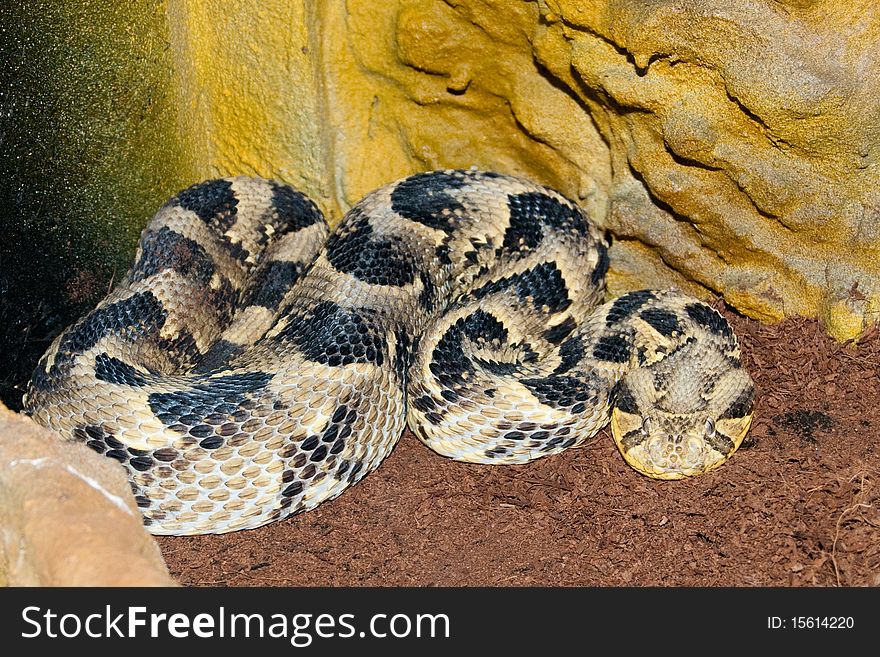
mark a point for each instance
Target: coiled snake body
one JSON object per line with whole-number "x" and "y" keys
{"x": 250, "y": 367}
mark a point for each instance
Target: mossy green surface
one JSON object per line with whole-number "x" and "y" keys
{"x": 89, "y": 150}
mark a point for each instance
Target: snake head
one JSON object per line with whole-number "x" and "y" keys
{"x": 663, "y": 440}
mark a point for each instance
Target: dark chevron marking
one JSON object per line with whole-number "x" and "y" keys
{"x": 495, "y": 367}
{"x": 720, "y": 442}
{"x": 139, "y": 316}
{"x": 271, "y": 282}
{"x": 181, "y": 350}
{"x": 708, "y": 318}
{"x": 336, "y": 336}
{"x": 741, "y": 406}
{"x": 632, "y": 439}
{"x": 628, "y": 304}
{"x": 448, "y": 361}
{"x": 601, "y": 265}
{"x": 428, "y": 295}
{"x": 378, "y": 261}
{"x": 543, "y": 284}
{"x": 663, "y": 321}
{"x": 558, "y": 391}
{"x": 223, "y": 300}
{"x": 425, "y": 198}
{"x": 195, "y": 410}
{"x": 558, "y": 333}
{"x": 167, "y": 249}
{"x": 570, "y": 353}
{"x": 523, "y": 232}
{"x": 613, "y": 348}
{"x": 112, "y": 370}
{"x": 425, "y": 403}
{"x": 295, "y": 209}
{"x": 623, "y": 399}
{"x": 212, "y": 201}
{"x": 442, "y": 253}
{"x": 219, "y": 355}
{"x": 530, "y": 211}
{"x": 481, "y": 325}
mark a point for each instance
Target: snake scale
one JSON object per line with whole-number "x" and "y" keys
{"x": 252, "y": 364}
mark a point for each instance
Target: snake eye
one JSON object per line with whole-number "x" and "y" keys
{"x": 647, "y": 425}
{"x": 710, "y": 427}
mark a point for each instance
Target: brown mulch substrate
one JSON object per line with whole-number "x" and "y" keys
{"x": 798, "y": 505}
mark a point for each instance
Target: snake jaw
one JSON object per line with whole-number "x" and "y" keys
{"x": 675, "y": 447}
{"x": 674, "y": 420}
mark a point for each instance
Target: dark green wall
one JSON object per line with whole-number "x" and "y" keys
{"x": 87, "y": 153}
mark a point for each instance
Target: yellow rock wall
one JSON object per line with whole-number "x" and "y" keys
{"x": 730, "y": 146}
{"x": 426, "y": 84}
{"x": 342, "y": 97}
{"x": 250, "y": 91}
{"x": 744, "y": 143}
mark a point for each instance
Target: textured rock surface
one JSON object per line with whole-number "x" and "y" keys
{"x": 745, "y": 143}
{"x": 739, "y": 140}
{"x": 68, "y": 516}
{"x": 250, "y": 91}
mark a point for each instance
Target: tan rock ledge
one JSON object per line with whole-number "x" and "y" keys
{"x": 67, "y": 515}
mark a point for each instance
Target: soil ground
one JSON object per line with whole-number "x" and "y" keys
{"x": 797, "y": 505}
